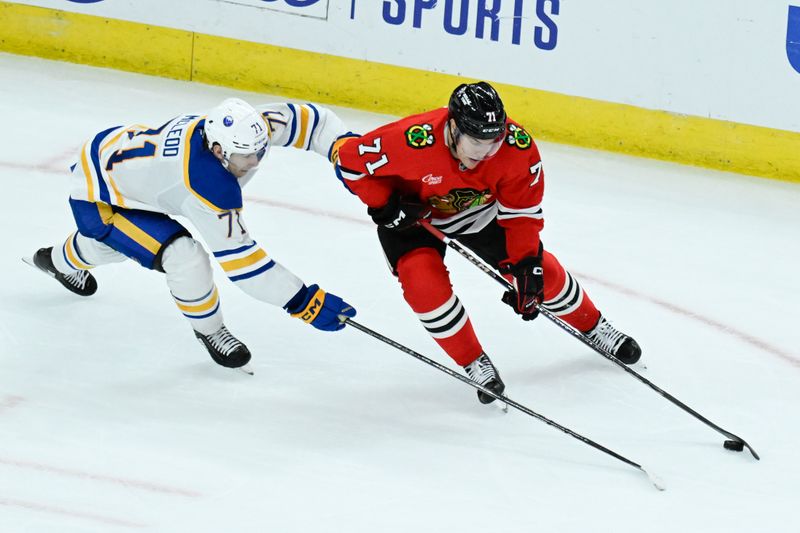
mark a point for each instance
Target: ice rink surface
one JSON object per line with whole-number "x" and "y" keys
{"x": 113, "y": 417}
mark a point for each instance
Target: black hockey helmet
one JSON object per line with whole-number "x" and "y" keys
{"x": 478, "y": 110}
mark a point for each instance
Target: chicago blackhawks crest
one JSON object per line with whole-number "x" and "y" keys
{"x": 458, "y": 200}
{"x": 518, "y": 137}
{"x": 420, "y": 136}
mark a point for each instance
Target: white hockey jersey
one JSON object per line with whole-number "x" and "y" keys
{"x": 169, "y": 170}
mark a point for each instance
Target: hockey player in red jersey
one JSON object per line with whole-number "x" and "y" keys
{"x": 478, "y": 177}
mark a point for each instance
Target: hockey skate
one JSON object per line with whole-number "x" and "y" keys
{"x": 226, "y": 350}
{"x": 81, "y": 282}
{"x": 615, "y": 342}
{"x": 483, "y": 372}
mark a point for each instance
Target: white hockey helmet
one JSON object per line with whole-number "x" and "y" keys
{"x": 238, "y": 129}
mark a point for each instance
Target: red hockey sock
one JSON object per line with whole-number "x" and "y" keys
{"x": 427, "y": 289}
{"x": 565, "y": 298}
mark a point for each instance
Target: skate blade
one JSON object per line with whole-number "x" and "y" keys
{"x": 247, "y": 369}
{"x": 29, "y": 261}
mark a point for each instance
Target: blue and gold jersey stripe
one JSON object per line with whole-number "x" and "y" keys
{"x": 301, "y": 138}
{"x": 92, "y": 170}
{"x": 136, "y": 234}
{"x": 304, "y": 122}
{"x": 244, "y": 262}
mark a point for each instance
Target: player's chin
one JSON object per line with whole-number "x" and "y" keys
{"x": 471, "y": 163}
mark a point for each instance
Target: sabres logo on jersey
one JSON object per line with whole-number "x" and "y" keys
{"x": 420, "y": 136}
{"x": 518, "y": 137}
{"x": 458, "y": 200}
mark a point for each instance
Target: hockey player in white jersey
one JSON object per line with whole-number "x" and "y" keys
{"x": 129, "y": 179}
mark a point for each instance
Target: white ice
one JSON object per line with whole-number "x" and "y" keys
{"x": 113, "y": 417}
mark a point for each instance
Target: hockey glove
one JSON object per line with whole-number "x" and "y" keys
{"x": 399, "y": 213}
{"x": 528, "y": 285}
{"x": 314, "y": 306}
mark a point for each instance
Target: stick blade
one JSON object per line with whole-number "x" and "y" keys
{"x": 654, "y": 479}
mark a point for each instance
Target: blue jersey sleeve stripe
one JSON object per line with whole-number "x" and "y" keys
{"x": 314, "y": 126}
{"x": 254, "y": 272}
{"x": 294, "y": 125}
{"x": 234, "y": 251}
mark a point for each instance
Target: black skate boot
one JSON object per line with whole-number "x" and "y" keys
{"x": 483, "y": 372}
{"x": 81, "y": 282}
{"x": 612, "y": 340}
{"x": 224, "y": 348}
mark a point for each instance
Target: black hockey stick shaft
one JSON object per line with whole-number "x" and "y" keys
{"x": 465, "y": 252}
{"x": 502, "y": 398}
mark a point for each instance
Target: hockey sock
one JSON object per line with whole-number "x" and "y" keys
{"x": 427, "y": 289}
{"x": 565, "y": 298}
{"x": 190, "y": 280}
{"x": 78, "y": 252}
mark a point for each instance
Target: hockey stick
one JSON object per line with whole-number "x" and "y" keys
{"x": 737, "y": 442}
{"x": 350, "y": 322}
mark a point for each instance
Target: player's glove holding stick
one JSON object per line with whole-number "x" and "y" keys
{"x": 399, "y": 213}
{"x": 528, "y": 279}
{"x": 321, "y": 309}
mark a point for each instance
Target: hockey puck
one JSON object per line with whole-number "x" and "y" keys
{"x": 734, "y": 445}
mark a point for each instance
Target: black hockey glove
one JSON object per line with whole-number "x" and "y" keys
{"x": 399, "y": 213}
{"x": 529, "y": 285}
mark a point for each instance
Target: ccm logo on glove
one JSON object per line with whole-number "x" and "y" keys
{"x": 322, "y": 310}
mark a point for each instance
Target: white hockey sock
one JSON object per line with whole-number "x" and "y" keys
{"x": 78, "y": 252}
{"x": 191, "y": 282}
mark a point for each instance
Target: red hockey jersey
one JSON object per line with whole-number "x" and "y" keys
{"x": 411, "y": 156}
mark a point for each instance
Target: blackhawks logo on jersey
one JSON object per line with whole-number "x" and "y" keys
{"x": 518, "y": 137}
{"x": 420, "y": 136}
{"x": 458, "y": 200}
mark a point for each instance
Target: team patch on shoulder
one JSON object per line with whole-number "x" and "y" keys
{"x": 518, "y": 137}
{"x": 420, "y": 136}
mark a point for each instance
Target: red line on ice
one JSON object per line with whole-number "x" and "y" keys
{"x": 9, "y": 402}
{"x": 132, "y": 483}
{"x": 719, "y": 326}
{"x": 66, "y": 512}
{"x": 57, "y": 164}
